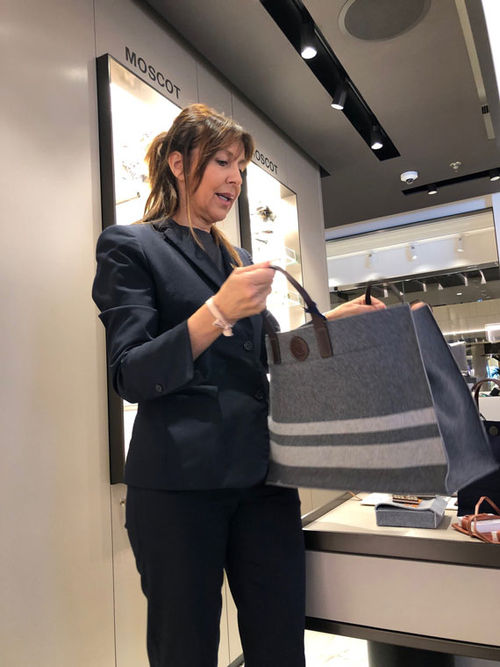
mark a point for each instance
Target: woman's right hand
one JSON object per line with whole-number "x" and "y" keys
{"x": 245, "y": 291}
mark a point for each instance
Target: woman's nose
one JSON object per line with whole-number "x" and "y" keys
{"x": 235, "y": 176}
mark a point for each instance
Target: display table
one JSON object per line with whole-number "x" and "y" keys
{"x": 431, "y": 589}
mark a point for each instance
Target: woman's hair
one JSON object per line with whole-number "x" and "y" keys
{"x": 197, "y": 126}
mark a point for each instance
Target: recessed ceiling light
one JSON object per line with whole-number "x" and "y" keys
{"x": 432, "y": 190}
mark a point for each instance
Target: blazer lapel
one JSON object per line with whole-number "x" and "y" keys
{"x": 195, "y": 256}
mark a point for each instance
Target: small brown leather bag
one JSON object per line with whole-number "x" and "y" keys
{"x": 470, "y": 523}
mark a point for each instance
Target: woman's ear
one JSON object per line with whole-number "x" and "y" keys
{"x": 176, "y": 164}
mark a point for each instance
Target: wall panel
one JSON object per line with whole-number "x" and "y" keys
{"x": 122, "y": 24}
{"x": 212, "y": 90}
{"x": 55, "y": 561}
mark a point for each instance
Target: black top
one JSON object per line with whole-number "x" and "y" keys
{"x": 208, "y": 242}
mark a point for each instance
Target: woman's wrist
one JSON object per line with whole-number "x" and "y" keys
{"x": 220, "y": 320}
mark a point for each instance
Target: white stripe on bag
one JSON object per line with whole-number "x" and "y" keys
{"x": 425, "y": 452}
{"x": 363, "y": 425}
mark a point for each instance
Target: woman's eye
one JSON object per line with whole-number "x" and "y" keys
{"x": 222, "y": 163}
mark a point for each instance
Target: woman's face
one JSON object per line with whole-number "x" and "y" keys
{"x": 219, "y": 187}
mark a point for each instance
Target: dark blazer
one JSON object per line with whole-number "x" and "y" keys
{"x": 200, "y": 424}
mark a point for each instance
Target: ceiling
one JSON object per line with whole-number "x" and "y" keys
{"x": 466, "y": 286}
{"x": 419, "y": 84}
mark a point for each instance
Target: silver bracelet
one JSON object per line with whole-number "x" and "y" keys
{"x": 220, "y": 321}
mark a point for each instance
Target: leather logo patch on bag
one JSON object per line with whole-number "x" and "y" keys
{"x": 299, "y": 348}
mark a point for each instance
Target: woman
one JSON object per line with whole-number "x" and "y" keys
{"x": 183, "y": 315}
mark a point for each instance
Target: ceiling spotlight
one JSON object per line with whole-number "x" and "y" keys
{"x": 460, "y": 244}
{"x": 292, "y": 17}
{"x": 483, "y": 279}
{"x": 432, "y": 188}
{"x": 339, "y": 97}
{"x": 386, "y": 293}
{"x": 412, "y": 252}
{"x": 424, "y": 286}
{"x": 376, "y": 142}
{"x": 440, "y": 287}
{"x": 307, "y": 40}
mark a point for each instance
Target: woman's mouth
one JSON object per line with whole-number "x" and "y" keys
{"x": 226, "y": 197}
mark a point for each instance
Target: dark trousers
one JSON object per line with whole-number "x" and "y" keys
{"x": 182, "y": 541}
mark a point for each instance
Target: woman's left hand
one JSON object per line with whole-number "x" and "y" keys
{"x": 355, "y": 307}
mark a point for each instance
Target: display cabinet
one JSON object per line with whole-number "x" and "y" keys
{"x": 131, "y": 114}
{"x": 270, "y": 231}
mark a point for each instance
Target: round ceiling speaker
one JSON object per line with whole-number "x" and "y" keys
{"x": 383, "y": 19}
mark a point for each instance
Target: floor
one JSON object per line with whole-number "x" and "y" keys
{"x": 335, "y": 651}
{"x": 323, "y": 650}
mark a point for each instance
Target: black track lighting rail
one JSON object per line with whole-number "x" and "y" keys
{"x": 290, "y": 15}
{"x": 486, "y": 173}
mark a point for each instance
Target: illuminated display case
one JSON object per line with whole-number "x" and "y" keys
{"x": 270, "y": 231}
{"x": 131, "y": 114}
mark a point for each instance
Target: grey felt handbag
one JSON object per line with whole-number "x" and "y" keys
{"x": 372, "y": 402}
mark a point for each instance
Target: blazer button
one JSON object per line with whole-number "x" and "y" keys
{"x": 159, "y": 388}
{"x": 248, "y": 345}
{"x": 259, "y": 395}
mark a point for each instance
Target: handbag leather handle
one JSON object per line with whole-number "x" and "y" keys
{"x": 319, "y": 322}
{"x": 489, "y": 501}
{"x": 475, "y": 389}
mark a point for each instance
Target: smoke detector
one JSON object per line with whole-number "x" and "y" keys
{"x": 409, "y": 176}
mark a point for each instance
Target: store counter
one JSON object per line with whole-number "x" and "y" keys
{"x": 431, "y": 589}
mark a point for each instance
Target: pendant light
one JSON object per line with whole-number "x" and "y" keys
{"x": 339, "y": 97}
{"x": 376, "y": 138}
{"x": 307, "y": 40}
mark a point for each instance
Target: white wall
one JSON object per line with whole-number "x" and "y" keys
{"x": 56, "y": 561}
